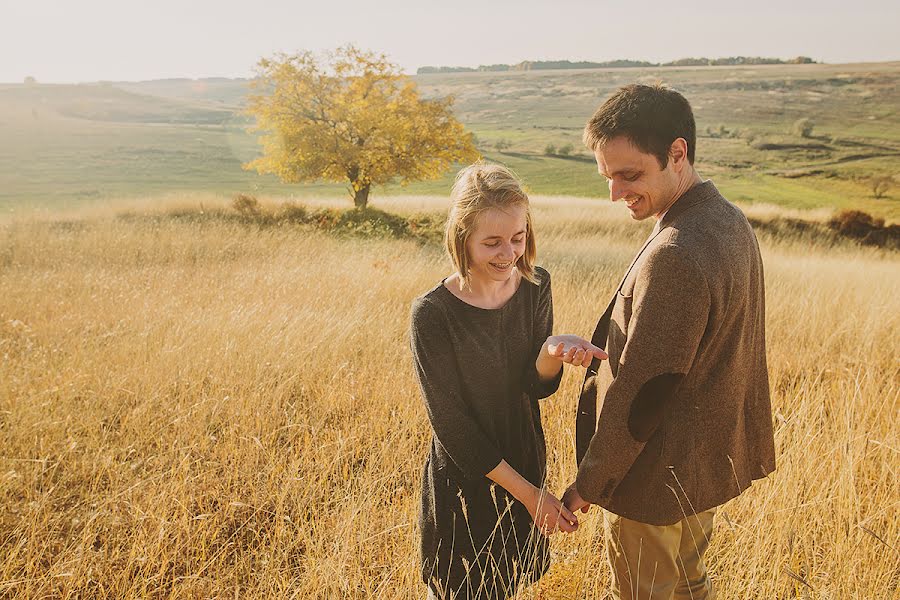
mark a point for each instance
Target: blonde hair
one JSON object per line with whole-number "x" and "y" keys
{"x": 478, "y": 188}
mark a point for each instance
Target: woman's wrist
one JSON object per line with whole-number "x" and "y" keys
{"x": 518, "y": 487}
{"x": 547, "y": 366}
{"x": 529, "y": 496}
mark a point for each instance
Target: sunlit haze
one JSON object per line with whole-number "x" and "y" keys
{"x": 90, "y": 40}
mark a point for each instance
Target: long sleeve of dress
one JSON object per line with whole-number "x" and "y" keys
{"x": 454, "y": 426}
{"x": 543, "y": 328}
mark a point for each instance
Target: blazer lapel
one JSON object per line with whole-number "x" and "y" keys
{"x": 586, "y": 418}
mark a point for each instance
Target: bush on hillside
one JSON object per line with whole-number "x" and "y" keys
{"x": 803, "y": 127}
{"x": 245, "y": 205}
{"x": 881, "y": 185}
{"x": 865, "y": 228}
{"x": 361, "y": 222}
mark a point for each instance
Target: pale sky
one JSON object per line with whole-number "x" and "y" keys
{"x": 91, "y": 40}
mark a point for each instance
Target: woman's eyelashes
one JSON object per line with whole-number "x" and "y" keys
{"x": 494, "y": 244}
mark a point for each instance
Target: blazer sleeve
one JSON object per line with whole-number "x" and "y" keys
{"x": 670, "y": 311}
{"x": 543, "y": 328}
{"x": 455, "y": 428}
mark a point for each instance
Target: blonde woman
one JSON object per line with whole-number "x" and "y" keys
{"x": 484, "y": 355}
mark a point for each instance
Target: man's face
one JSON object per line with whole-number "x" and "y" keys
{"x": 635, "y": 178}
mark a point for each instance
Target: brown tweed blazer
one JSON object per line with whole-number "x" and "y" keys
{"x": 691, "y": 308}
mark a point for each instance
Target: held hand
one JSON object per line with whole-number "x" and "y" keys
{"x": 573, "y": 349}
{"x": 549, "y": 514}
{"x": 573, "y": 500}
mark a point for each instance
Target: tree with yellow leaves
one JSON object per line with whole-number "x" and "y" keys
{"x": 351, "y": 116}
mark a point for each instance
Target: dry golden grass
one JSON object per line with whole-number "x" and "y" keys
{"x": 217, "y": 410}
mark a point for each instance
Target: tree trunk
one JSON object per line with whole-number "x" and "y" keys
{"x": 361, "y": 197}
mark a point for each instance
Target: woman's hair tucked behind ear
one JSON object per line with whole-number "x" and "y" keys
{"x": 478, "y": 188}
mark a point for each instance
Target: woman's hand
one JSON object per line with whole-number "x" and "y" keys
{"x": 573, "y": 349}
{"x": 549, "y": 514}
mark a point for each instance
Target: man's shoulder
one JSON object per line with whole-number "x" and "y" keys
{"x": 713, "y": 224}
{"x": 671, "y": 257}
{"x": 715, "y": 208}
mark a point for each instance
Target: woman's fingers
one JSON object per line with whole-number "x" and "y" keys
{"x": 574, "y": 350}
{"x": 567, "y": 515}
{"x": 548, "y": 525}
{"x": 556, "y": 350}
{"x": 588, "y": 359}
{"x": 554, "y": 516}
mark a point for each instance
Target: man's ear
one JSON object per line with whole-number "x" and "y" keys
{"x": 678, "y": 153}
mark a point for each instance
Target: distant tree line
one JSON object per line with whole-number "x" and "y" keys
{"x": 537, "y": 65}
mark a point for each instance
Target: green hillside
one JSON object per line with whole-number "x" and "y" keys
{"x": 63, "y": 145}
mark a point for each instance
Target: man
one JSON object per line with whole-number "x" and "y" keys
{"x": 685, "y": 424}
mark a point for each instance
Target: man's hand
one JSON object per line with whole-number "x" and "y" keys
{"x": 573, "y": 500}
{"x": 573, "y": 349}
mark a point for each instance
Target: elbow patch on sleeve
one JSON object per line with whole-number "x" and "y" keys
{"x": 650, "y": 404}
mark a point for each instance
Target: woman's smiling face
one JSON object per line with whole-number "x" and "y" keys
{"x": 497, "y": 243}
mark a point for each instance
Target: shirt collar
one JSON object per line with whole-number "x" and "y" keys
{"x": 699, "y": 193}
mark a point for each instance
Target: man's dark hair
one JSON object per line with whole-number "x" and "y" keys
{"x": 650, "y": 116}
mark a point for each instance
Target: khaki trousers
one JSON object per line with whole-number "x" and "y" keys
{"x": 653, "y": 562}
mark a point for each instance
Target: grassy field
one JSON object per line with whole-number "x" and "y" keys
{"x": 195, "y": 407}
{"x": 72, "y": 145}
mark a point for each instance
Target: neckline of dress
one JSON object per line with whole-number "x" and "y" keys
{"x": 472, "y": 306}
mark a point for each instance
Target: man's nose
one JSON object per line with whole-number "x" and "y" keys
{"x": 617, "y": 190}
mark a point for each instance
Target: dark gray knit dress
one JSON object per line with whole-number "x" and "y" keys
{"x": 476, "y": 371}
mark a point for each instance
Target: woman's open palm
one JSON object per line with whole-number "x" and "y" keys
{"x": 574, "y": 350}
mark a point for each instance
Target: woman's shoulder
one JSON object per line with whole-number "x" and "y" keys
{"x": 542, "y": 276}
{"x": 428, "y": 306}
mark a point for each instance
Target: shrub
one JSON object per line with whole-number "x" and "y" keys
{"x": 880, "y": 185}
{"x": 292, "y": 213}
{"x": 719, "y": 131}
{"x": 549, "y": 149}
{"x": 866, "y": 229}
{"x": 566, "y": 150}
{"x": 803, "y": 127}
{"x": 245, "y": 205}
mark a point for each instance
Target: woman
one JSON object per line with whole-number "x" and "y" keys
{"x": 484, "y": 355}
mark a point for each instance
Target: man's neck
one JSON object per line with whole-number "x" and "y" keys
{"x": 689, "y": 181}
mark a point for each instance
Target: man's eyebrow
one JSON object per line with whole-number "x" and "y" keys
{"x": 626, "y": 170}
